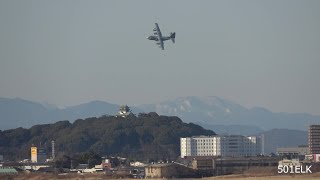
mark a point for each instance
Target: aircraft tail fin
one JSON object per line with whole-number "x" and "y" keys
{"x": 173, "y": 36}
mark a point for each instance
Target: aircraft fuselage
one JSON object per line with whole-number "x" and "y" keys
{"x": 155, "y": 38}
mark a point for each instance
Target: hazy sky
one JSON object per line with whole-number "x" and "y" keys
{"x": 255, "y": 53}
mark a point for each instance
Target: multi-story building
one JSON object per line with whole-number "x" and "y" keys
{"x": 38, "y": 155}
{"x": 227, "y": 145}
{"x": 314, "y": 139}
{"x": 33, "y": 154}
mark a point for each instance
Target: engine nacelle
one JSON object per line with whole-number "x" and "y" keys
{"x": 155, "y": 38}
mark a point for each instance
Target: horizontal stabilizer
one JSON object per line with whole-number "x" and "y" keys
{"x": 173, "y": 36}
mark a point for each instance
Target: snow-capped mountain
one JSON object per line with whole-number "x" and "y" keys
{"x": 214, "y": 110}
{"x": 215, "y": 113}
{"x": 211, "y": 106}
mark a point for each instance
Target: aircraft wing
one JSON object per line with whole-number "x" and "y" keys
{"x": 158, "y": 33}
{"x": 161, "y": 45}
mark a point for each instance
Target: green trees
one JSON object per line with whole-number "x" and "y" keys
{"x": 148, "y": 136}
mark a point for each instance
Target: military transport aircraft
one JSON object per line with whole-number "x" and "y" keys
{"x": 158, "y": 36}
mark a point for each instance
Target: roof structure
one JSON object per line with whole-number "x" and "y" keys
{"x": 8, "y": 170}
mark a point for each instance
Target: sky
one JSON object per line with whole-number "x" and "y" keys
{"x": 252, "y": 52}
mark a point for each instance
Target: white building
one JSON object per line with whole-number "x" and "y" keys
{"x": 228, "y": 145}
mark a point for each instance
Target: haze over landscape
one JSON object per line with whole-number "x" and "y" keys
{"x": 212, "y": 113}
{"x": 253, "y": 53}
{"x": 86, "y": 93}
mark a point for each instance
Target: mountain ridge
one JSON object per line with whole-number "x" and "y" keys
{"x": 225, "y": 112}
{"x": 211, "y": 110}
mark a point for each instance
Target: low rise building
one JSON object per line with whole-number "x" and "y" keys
{"x": 8, "y": 171}
{"x": 313, "y": 157}
{"x": 215, "y": 166}
{"x": 290, "y": 162}
{"x": 293, "y": 152}
{"x": 203, "y": 164}
{"x": 137, "y": 164}
{"x": 205, "y": 167}
{"x": 169, "y": 170}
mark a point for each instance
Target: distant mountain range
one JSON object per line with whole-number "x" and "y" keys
{"x": 218, "y": 114}
{"x": 214, "y": 113}
{"x": 22, "y": 113}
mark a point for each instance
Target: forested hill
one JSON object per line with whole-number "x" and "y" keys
{"x": 147, "y": 136}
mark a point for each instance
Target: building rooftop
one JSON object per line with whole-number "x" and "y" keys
{"x": 8, "y": 170}
{"x": 300, "y": 150}
{"x": 231, "y": 135}
{"x": 165, "y": 164}
{"x": 160, "y": 165}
